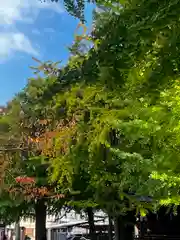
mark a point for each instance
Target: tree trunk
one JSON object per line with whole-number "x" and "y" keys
{"x": 110, "y": 229}
{"x": 119, "y": 228}
{"x": 129, "y": 231}
{"x": 40, "y": 211}
{"x": 92, "y": 230}
{"x": 124, "y": 227}
{"x": 17, "y": 231}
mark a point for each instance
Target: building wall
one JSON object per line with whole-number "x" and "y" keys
{"x": 51, "y": 220}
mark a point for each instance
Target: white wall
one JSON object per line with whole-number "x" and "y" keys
{"x": 66, "y": 218}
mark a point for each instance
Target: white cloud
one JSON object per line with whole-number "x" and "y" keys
{"x": 24, "y": 10}
{"x": 15, "y": 42}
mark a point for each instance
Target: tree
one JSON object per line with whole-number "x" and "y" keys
{"x": 118, "y": 152}
{"x": 112, "y": 114}
{"x": 24, "y": 170}
{"x": 127, "y": 59}
{"x": 76, "y": 8}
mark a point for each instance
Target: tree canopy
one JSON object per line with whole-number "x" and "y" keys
{"x": 103, "y": 131}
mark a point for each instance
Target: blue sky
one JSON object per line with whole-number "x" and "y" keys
{"x": 29, "y": 28}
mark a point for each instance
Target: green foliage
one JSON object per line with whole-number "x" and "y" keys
{"x": 76, "y": 8}
{"x": 135, "y": 52}
{"x": 19, "y": 157}
{"x": 116, "y": 146}
{"x": 113, "y": 112}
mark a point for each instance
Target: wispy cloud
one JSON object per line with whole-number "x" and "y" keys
{"x": 15, "y": 42}
{"x": 24, "y": 11}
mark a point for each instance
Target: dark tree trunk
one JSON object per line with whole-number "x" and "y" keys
{"x": 40, "y": 210}
{"x": 129, "y": 232}
{"x": 92, "y": 230}
{"x": 17, "y": 231}
{"x": 119, "y": 228}
{"x": 124, "y": 227}
{"x": 130, "y": 225}
{"x": 110, "y": 229}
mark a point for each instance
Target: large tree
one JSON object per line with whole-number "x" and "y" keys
{"x": 112, "y": 113}
{"x": 24, "y": 172}
{"x": 138, "y": 56}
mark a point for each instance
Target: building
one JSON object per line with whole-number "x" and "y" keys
{"x": 63, "y": 222}
{"x": 2, "y": 110}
